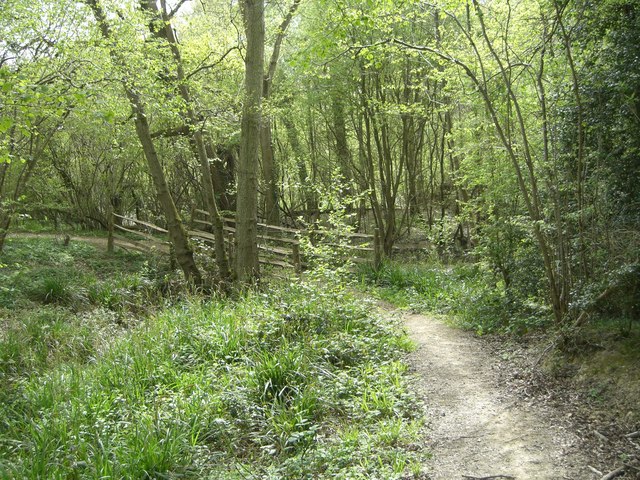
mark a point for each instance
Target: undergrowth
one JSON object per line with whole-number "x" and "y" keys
{"x": 64, "y": 304}
{"x": 42, "y": 271}
{"x": 466, "y": 293}
{"x": 301, "y": 382}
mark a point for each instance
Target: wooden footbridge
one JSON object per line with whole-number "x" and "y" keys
{"x": 278, "y": 246}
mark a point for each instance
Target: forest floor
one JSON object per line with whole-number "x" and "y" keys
{"x": 482, "y": 426}
{"x": 98, "y": 242}
{"x": 493, "y": 413}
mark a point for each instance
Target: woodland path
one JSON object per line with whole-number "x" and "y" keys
{"x": 476, "y": 428}
{"x": 98, "y": 242}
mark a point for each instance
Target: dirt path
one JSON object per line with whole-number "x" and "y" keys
{"x": 98, "y": 242}
{"x": 477, "y": 429}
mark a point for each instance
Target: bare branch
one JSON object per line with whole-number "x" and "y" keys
{"x": 176, "y": 9}
{"x": 211, "y": 65}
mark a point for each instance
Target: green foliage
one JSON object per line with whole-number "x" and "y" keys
{"x": 256, "y": 384}
{"x": 469, "y": 294}
{"x": 327, "y": 246}
{"x": 38, "y": 339}
{"x": 44, "y": 271}
{"x": 60, "y": 304}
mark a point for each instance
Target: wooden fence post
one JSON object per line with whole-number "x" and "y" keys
{"x": 230, "y": 249}
{"x": 110, "y": 222}
{"x": 295, "y": 254}
{"x": 377, "y": 249}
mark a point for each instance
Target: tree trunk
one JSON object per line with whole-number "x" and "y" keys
{"x": 177, "y": 234}
{"x": 309, "y": 201}
{"x": 532, "y": 198}
{"x": 191, "y": 121}
{"x": 247, "y": 266}
{"x": 223, "y": 174}
{"x": 342, "y": 144}
{"x": 5, "y": 222}
{"x": 269, "y": 169}
{"x": 270, "y": 174}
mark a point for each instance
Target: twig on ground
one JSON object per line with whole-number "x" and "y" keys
{"x": 597, "y": 472}
{"x": 616, "y": 473}
{"x": 633, "y": 434}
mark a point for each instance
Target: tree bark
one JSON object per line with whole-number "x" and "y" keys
{"x": 191, "y": 121}
{"x": 5, "y": 222}
{"x": 177, "y": 233}
{"x": 247, "y": 266}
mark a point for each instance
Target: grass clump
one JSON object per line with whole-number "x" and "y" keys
{"x": 303, "y": 382}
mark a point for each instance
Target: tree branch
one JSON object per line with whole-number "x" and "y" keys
{"x": 175, "y": 10}
{"x": 282, "y": 30}
{"x": 211, "y": 65}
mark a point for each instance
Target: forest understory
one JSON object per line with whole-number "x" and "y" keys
{"x": 571, "y": 398}
{"x": 468, "y": 406}
{"x": 494, "y": 411}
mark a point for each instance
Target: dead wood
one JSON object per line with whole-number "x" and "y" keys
{"x": 616, "y": 473}
{"x": 594, "y": 470}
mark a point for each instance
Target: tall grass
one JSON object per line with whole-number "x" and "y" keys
{"x": 65, "y": 304}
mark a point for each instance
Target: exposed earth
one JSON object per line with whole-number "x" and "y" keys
{"x": 479, "y": 425}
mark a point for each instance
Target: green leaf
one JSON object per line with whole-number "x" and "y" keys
{"x": 109, "y": 116}
{"x": 5, "y": 124}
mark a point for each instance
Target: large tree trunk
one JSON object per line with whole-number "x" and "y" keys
{"x": 177, "y": 234}
{"x": 247, "y": 266}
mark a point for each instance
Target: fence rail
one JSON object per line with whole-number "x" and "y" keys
{"x": 277, "y": 246}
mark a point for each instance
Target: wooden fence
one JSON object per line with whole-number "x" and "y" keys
{"x": 278, "y": 246}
